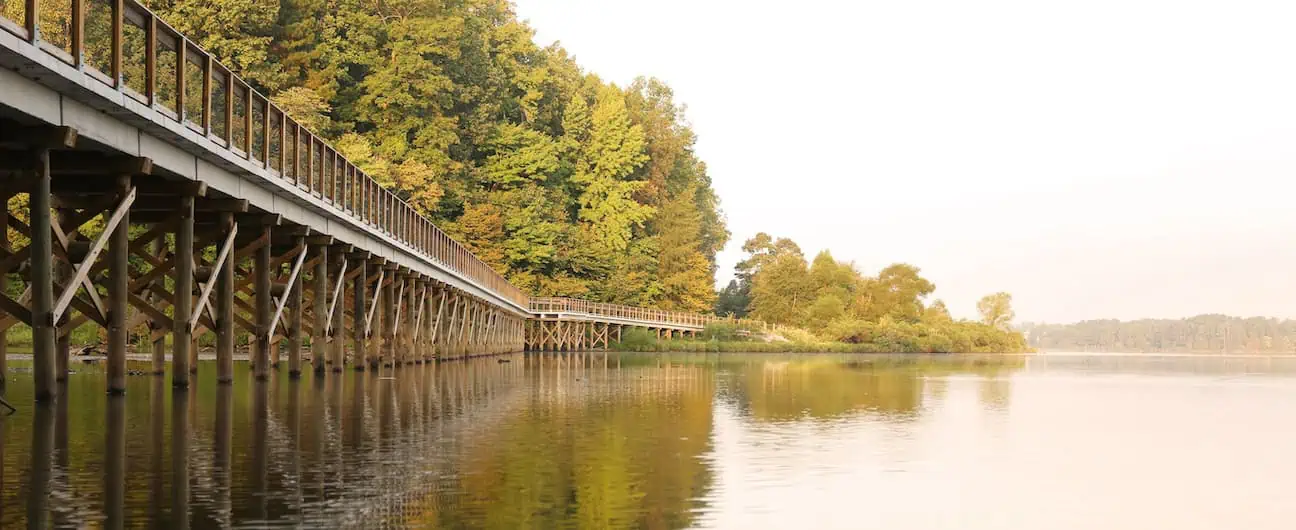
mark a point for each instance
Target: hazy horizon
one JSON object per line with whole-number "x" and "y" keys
{"x": 1098, "y": 160}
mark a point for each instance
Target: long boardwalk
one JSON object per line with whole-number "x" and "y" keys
{"x": 153, "y": 190}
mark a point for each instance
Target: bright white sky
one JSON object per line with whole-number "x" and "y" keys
{"x": 1097, "y": 158}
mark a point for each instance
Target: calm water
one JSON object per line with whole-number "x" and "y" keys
{"x": 707, "y": 441}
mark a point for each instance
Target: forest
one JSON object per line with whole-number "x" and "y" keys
{"x": 558, "y": 179}
{"x": 1198, "y": 334}
{"x": 835, "y": 302}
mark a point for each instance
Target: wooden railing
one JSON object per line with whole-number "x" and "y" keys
{"x": 126, "y": 47}
{"x": 638, "y": 314}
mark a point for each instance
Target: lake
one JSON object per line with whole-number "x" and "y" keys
{"x": 740, "y": 441}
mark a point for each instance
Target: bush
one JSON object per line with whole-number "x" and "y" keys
{"x": 636, "y": 339}
{"x": 723, "y": 331}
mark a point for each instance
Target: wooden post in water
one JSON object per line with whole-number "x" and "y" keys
{"x": 180, "y": 335}
{"x": 4, "y": 287}
{"x": 389, "y": 315}
{"x": 263, "y": 309}
{"x": 155, "y": 327}
{"x": 63, "y": 273}
{"x": 319, "y": 306}
{"x": 42, "y": 280}
{"x": 335, "y": 334}
{"x": 295, "y": 324}
{"x": 358, "y": 313}
{"x": 225, "y": 311}
{"x": 118, "y": 283}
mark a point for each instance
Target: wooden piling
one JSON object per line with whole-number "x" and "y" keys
{"x": 319, "y": 306}
{"x": 388, "y": 322}
{"x": 4, "y": 287}
{"x": 155, "y": 328}
{"x": 42, "y": 280}
{"x": 181, "y": 341}
{"x": 334, "y": 335}
{"x": 295, "y": 325}
{"x": 225, "y": 311}
{"x": 359, "y": 357}
{"x": 62, "y": 273}
{"x": 118, "y": 282}
{"x": 264, "y": 310}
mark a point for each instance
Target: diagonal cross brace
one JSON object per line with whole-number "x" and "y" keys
{"x": 418, "y": 317}
{"x": 83, "y": 270}
{"x": 436, "y": 324}
{"x": 369, "y": 318}
{"x": 400, "y": 296}
{"x": 337, "y": 292}
{"x": 216, "y": 267}
{"x": 283, "y": 299}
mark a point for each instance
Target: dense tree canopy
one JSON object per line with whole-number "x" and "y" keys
{"x": 835, "y": 301}
{"x": 559, "y": 180}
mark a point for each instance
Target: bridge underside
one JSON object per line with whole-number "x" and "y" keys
{"x": 575, "y": 332}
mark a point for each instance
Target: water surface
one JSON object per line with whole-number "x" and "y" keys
{"x": 672, "y": 441}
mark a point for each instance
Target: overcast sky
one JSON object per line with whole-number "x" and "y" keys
{"x": 1097, "y": 158}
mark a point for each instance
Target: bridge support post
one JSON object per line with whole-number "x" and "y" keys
{"x": 388, "y": 328}
{"x": 156, "y": 328}
{"x": 42, "y": 280}
{"x": 335, "y": 335}
{"x": 263, "y": 310}
{"x": 400, "y": 321}
{"x": 295, "y": 325}
{"x": 319, "y": 306}
{"x": 359, "y": 358}
{"x": 4, "y": 286}
{"x": 225, "y": 311}
{"x": 118, "y": 283}
{"x": 181, "y": 340}
{"x": 435, "y": 342}
{"x": 413, "y": 288}
{"x": 62, "y": 273}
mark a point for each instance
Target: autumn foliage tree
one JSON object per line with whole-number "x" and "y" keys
{"x": 566, "y": 184}
{"x": 886, "y": 312}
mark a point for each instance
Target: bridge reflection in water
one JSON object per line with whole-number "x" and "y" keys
{"x": 500, "y": 440}
{"x": 549, "y": 440}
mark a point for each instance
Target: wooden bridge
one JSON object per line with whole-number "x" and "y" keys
{"x": 140, "y": 173}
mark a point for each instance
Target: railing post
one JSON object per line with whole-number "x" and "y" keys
{"x": 150, "y": 61}
{"x": 118, "y": 21}
{"x": 182, "y": 52}
{"x": 31, "y": 20}
{"x": 78, "y": 33}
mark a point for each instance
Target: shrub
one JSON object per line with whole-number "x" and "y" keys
{"x": 636, "y": 339}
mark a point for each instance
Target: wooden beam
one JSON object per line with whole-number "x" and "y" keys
{"x": 143, "y": 185}
{"x": 50, "y": 136}
{"x": 293, "y": 231}
{"x": 166, "y": 204}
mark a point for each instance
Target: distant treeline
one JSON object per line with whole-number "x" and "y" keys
{"x": 1199, "y": 334}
